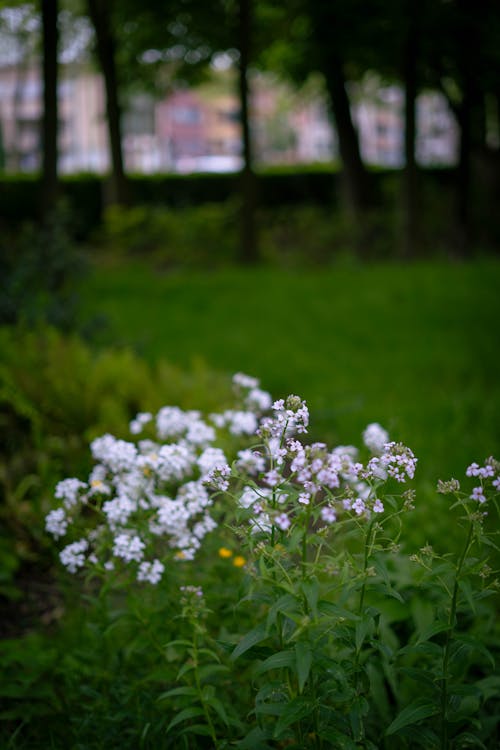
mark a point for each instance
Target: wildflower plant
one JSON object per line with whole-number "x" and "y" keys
{"x": 314, "y": 536}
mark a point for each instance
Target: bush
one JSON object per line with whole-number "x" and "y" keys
{"x": 39, "y": 267}
{"x": 303, "y": 621}
{"x": 56, "y": 393}
{"x": 201, "y": 237}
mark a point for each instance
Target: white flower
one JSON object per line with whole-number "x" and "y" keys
{"x": 199, "y": 433}
{"x": 210, "y": 458}
{"x": 218, "y": 478}
{"x": 72, "y": 556}
{"x": 245, "y": 381}
{"x": 116, "y": 455}
{"x": 118, "y": 510}
{"x": 250, "y": 461}
{"x": 150, "y": 571}
{"x": 240, "y": 422}
{"x": 258, "y": 400}
{"x": 128, "y": 547}
{"x": 69, "y": 491}
{"x": 175, "y": 462}
{"x": 249, "y": 496}
{"x": 137, "y": 424}
{"x": 56, "y": 522}
{"x": 375, "y": 437}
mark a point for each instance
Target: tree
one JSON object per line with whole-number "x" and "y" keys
{"x": 100, "y": 14}
{"x": 188, "y": 35}
{"x": 249, "y": 251}
{"x": 50, "y": 37}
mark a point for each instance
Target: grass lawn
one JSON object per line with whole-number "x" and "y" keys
{"x": 414, "y": 347}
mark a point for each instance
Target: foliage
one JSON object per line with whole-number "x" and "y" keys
{"x": 303, "y": 622}
{"x": 201, "y": 237}
{"x": 39, "y": 270}
{"x": 55, "y": 394}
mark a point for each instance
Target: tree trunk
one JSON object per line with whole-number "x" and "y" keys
{"x": 471, "y": 120}
{"x": 50, "y": 108}
{"x": 327, "y": 36}
{"x": 356, "y": 178}
{"x": 410, "y": 175}
{"x": 99, "y": 11}
{"x": 249, "y": 248}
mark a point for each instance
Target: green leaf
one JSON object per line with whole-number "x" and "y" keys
{"x": 311, "y": 592}
{"x": 430, "y": 632}
{"x": 363, "y": 628}
{"x": 416, "y": 711}
{"x": 208, "y": 670}
{"x": 219, "y": 709}
{"x": 257, "y": 635}
{"x": 177, "y": 691}
{"x": 187, "y": 713}
{"x": 303, "y": 658}
{"x": 178, "y": 643}
{"x": 186, "y": 667}
{"x": 200, "y": 729}
{"x": 255, "y": 740}
{"x": 467, "y": 739}
{"x": 337, "y": 739}
{"x": 466, "y": 589}
{"x": 359, "y": 709}
{"x": 210, "y": 653}
{"x": 287, "y": 604}
{"x": 270, "y": 709}
{"x": 277, "y": 661}
{"x": 294, "y": 711}
{"x": 474, "y": 644}
{"x": 334, "y": 610}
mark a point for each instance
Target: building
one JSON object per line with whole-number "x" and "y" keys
{"x": 194, "y": 130}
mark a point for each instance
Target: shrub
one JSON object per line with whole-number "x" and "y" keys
{"x": 201, "y": 237}
{"x": 39, "y": 269}
{"x": 322, "y": 631}
{"x": 56, "y": 393}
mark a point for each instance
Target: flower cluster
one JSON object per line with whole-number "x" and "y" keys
{"x": 148, "y": 496}
{"x": 156, "y": 493}
{"x": 489, "y": 478}
{"x": 286, "y": 481}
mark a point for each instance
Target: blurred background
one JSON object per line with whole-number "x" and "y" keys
{"x": 306, "y": 191}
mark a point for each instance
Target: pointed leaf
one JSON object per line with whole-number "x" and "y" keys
{"x": 294, "y": 711}
{"x": 277, "y": 661}
{"x": 430, "y": 632}
{"x": 257, "y": 635}
{"x": 311, "y": 592}
{"x": 187, "y": 713}
{"x": 177, "y": 691}
{"x": 416, "y": 711}
{"x": 303, "y": 658}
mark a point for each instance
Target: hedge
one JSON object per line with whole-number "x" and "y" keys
{"x": 20, "y": 195}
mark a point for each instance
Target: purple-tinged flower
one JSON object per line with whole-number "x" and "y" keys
{"x": 328, "y": 514}
{"x": 282, "y": 521}
{"x": 478, "y": 494}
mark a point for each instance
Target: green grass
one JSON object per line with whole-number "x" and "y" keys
{"x": 414, "y": 347}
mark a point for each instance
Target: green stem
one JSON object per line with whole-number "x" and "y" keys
{"x": 206, "y": 712}
{"x": 449, "y": 635}
{"x": 368, "y": 546}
